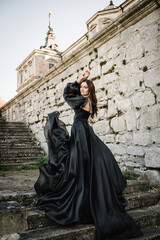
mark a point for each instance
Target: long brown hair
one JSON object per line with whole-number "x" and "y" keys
{"x": 92, "y": 96}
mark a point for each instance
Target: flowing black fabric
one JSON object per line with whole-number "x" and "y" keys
{"x": 82, "y": 182}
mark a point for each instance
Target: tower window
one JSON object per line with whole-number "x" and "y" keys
{"x": 21, "y": 78}
{"x": 51, "y": 65}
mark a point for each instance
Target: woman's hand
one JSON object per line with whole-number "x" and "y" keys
{"x": 84, "y": 77}
{"x": 87, "y": 73}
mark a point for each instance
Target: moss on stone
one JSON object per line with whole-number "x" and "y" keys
{"x": 103, "y": 63}
{"x": 145, "y": 69}
{"x": 121, "y": 93}
{"x": 60, "y": 104}
{"x": 124, "y": 62}
{"x": 111, "y": 70}
{"x": 118, "y": 73}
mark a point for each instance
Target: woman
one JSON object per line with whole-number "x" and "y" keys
{"x": 82, "y": 182}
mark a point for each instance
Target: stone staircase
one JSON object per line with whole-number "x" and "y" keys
{"x": 18, "y": 147}
{"x": 20, "y": 219}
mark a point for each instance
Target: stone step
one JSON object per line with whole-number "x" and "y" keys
{"x": 14, "y": 133}
{"x": 22, "y": 163}
{"x": 22, "y": 197}
{"x": 76, "y": 232}
{"x": 20, "y": 148}
{"x": 13, "y": 161}
{"x": 150, "y": 234}
{"x": 137, "y": 186}
{"x": 143, "y": 217}
{"x": 146, "y": 217}
{"x": 6, "y": 129}
{"x": 136, "y": 200}
{"x": 38, "y": 219}
{"x": 21, "y": 159}
{"x": 3, "y": 124}
{"x": 17, "y": 139}
{"x": 10, "y": 159}
{"x": 85, "y": 232}
{"x": 18, "y": 145}
{"x": 18, "y": 153}
{"x": 142, "y": 199}
{"x": 35, "y": 219}
{"x": 7, "y": 142}
{"x": 13, "y": 128}
{"x": 18, "y": 136}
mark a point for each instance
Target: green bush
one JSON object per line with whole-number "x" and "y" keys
{"x": 42, "y": 160}
{"x": 130, "y": 175}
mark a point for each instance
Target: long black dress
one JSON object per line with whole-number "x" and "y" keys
{"x": 82, "y": 182}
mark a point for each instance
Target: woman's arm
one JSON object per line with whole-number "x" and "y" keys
{"x": 73, "y": 96}
{"x": 72, "y": 93}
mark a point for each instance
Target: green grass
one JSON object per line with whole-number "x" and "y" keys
{"x": 27, "y": 180}
{"x": 130, "y": 175}
{"x": 155, "y": 224}
{"x": 143, "y": 188}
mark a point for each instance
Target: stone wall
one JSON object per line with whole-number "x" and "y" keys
{"x": 124, "y": 60}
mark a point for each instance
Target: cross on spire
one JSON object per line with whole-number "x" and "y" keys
{"x": 49, "y": 20}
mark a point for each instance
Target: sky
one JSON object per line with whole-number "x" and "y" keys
{"x": 23, "y": 28}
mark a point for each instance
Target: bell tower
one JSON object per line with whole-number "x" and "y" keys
{"x": 39, "y": 62}
{"x": 50, "y": 43}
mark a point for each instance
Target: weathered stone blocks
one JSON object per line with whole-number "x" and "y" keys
{"x": 142, "y": 99}
{"x": 141, "y": 138}
{"x": 131, "y": 120}
{"x": 101, "y": 127}
{"x": 152, "y": 77}
{"x": 135, "y": 150}
{"x": 112, "y": 108}
{"x": 109, "y": 138}
{"x": 118, "y": 124}
{"x": 152, "y": 157}
{"x": 13, "y": 218}
{"x": 154, "y": 177}
{"x": 150, "y": 117}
